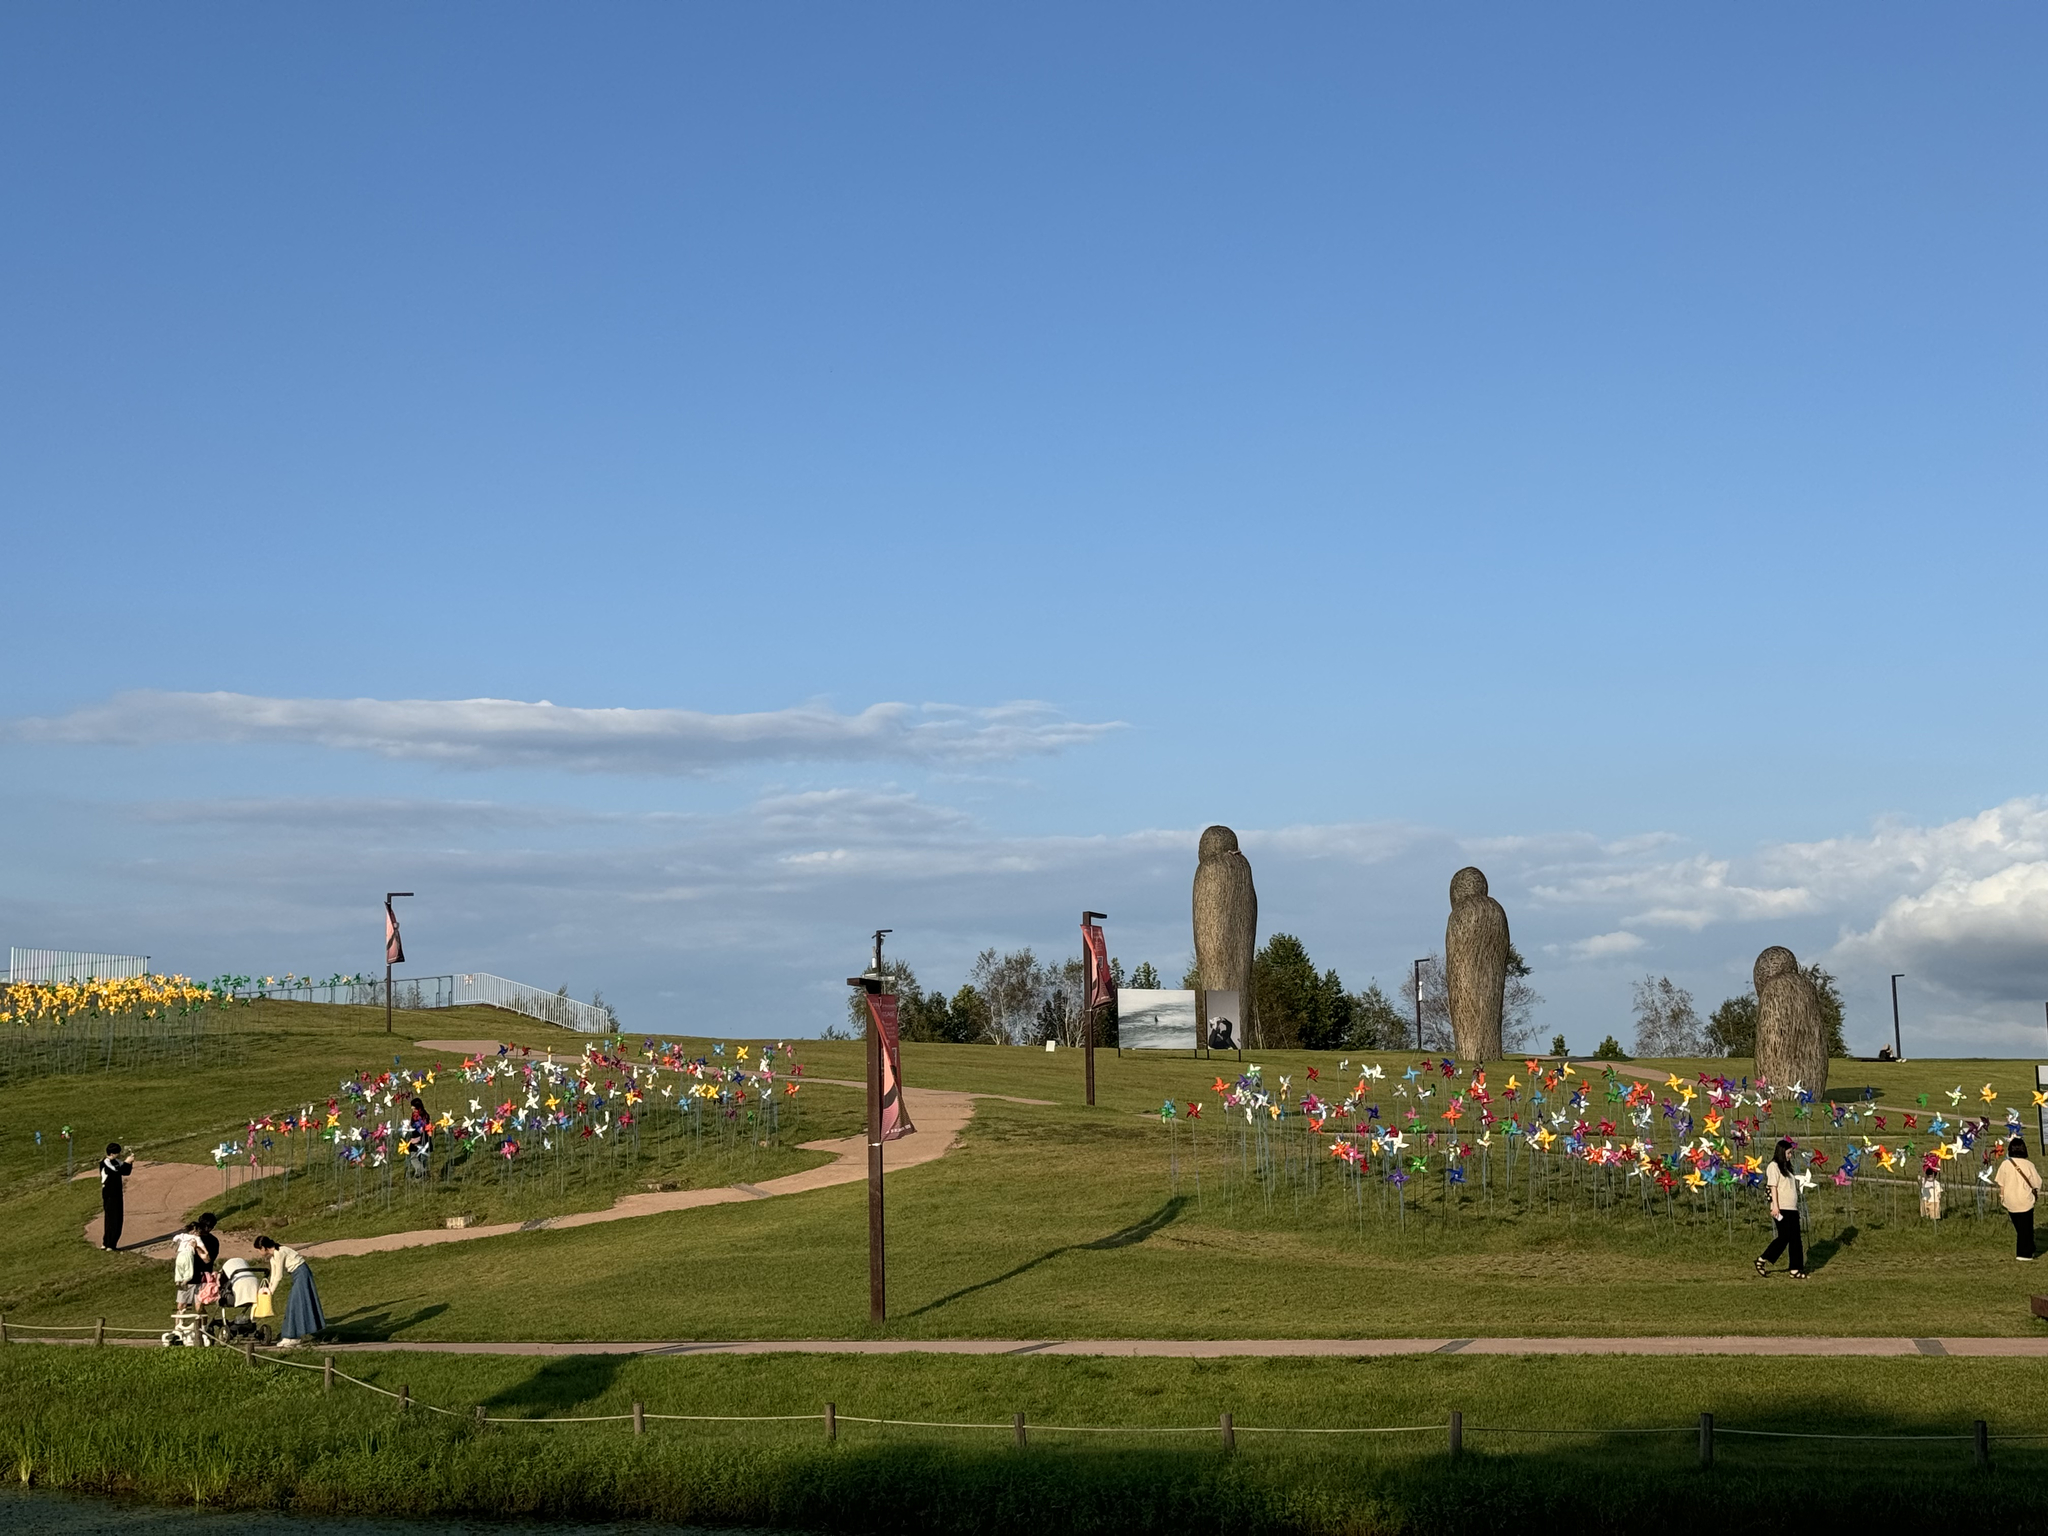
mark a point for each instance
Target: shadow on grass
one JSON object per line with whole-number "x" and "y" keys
{"x": 560, "y": 1384}
{"x": 1825, "y": 1249}
{"x": 1123, "y": 1237}
{"x": 367, "y": 1325}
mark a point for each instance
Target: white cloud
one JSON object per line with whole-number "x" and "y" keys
{"x": 1605, "y": 946}
{"x": 756, "y": 912}
{"x": 1678, "y": 893}
{"x": 502, "y": 733}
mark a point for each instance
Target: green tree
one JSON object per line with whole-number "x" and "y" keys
{"x": 1145, "y": 979}
{"x": 1609, "y": 1050}
{"x": 969, "y": 1017}
{"x": 1830, "y": 996}
{"x": 1731, "y": 1028}
{"x": 1289, "y": 994}
{"x": 1376, "y": 1024}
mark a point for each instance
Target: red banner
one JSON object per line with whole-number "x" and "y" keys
{"x": 1095, "y": 953}
{"x": 394, "y": 947}
{"x": 895, "y": 1118}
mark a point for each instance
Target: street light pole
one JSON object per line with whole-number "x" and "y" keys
{"x": 394, "y": 949}
{"x": 1898, "y": 1050}
{"x": 1418, "y": 1000}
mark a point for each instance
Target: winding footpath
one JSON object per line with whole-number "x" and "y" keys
{"x": 159, "y": 1194}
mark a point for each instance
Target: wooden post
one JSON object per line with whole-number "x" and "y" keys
{"x": 1088, "y": 1041}
{"x": 1018, "y": 1420}
{"x": 1980, "y": 1435}
{"x": 99, "y": 1333}
{"x": 3, "y": 1328}
{"x": 248, "y": 1351}
{"x": 1229, "y": 1433}
{"x": 327, "y": 1374}
{"x": 404, "y": 1397}
{"x": 878, "y": 1286}
{"x": 1706, "y": 1440}
{"x": 1457, "y": 1433}
{"x": 480, "y": 1416}
{"x": 639, "y": 1418}
{"x": 831, "y": 1421}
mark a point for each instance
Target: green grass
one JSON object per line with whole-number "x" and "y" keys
{"x": 1049, "y": 1222}
{"x": 199, "y": 1427}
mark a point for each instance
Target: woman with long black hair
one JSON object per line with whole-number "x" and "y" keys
{"x": 1783, "y": 1187}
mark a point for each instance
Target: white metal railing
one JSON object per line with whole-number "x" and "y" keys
{"x": 551, "y": 1007}
{"x": 72, "y": 965}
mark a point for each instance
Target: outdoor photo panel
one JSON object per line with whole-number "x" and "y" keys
{"x": 1155, "y": 1020}
{"x": 1226, "y": 1029}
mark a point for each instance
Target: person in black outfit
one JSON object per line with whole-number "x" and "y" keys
{"x": 113, "y": 1169}
{"x": 209, "y": 1242}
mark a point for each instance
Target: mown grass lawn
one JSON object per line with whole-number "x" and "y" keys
{"x": 1050, "y": 1221}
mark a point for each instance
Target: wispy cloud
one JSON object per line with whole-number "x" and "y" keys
{"x": 510, "y": 733}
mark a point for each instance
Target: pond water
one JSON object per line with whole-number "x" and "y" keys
{"x": 57, "y": 1514}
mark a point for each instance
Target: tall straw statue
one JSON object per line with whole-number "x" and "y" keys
{"x": 1475, "y": 967}
{"x": 1791, "y": 1034}
{"x": 1226, "y": 928}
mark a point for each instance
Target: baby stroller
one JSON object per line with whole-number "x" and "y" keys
{"x": 240, "y": 1284}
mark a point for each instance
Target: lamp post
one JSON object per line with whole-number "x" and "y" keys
{"x": 871, "y": 985}
{"x": 394, "y": 950}
{"x": 1088, "y": 999}
{"x": 1418, "y": 1000}
{"x": 1898, "y": 1050}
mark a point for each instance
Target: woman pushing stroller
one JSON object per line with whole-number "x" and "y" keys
{"x": 302, "y": 1315}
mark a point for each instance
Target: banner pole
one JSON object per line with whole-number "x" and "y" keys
{"x": 878, "y": 1295}
{"x": 1094, "y": 964}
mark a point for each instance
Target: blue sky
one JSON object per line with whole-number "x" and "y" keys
{"x": 1602, "y": 444}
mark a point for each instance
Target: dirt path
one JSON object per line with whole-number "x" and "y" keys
{"x": 2028, "y": 1348}
{"x": 159, "y": 1194}
{"x": 156, "y": 1199}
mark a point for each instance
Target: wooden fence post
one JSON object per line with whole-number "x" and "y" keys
{"x": 327, "y": 1374}
{"x": 1018, "y": 1420}
{"x": 831, "y": 1421}
{"x": 1229, "y": 1432}
{"x": 639, "y": 1418}
{"x": 99, "y": 1333}
{"x": 1706, "y": 1440}
{"x": 248, "y": 1351}
{"x": 3, "y": 1328}
{"x": 1980, "y": 1435}
{"x": 1457, "y": 1433}
{"x": 404, "y": 1397}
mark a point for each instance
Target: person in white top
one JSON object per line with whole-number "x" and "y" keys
{"x": 2019, "y": 1186}
{"x": 1783, "y": 1187}
{"x": 302, "y": 1315}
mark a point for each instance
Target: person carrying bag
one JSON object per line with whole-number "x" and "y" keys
{"x": 1784, "y": 1192}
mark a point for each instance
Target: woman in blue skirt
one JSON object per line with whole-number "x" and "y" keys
{"x": 302, "y": 1315}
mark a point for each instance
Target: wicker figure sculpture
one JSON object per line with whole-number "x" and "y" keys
{"x": 1475, "y": 967}
{"x": 1226, "y": 929}
{"x": 1791, "y": 1035}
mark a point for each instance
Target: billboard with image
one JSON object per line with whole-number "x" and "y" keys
{"x": 1155, "y": 1020}
{"x": 1226, "y": 1020}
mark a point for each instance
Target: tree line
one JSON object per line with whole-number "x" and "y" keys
{"x": 1018, "y": 999}
{"x": 1668, "y": 1023}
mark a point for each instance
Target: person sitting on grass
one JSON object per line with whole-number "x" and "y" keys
{"x": 302, "y": 1315}
{"x": 1784, "y": 1192}
{"x": 2019, "y": 1186}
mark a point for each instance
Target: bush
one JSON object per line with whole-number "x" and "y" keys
{"x": 1610, "y": 1050}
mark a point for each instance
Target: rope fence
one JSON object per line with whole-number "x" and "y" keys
{"x": 1226, "y": 1428}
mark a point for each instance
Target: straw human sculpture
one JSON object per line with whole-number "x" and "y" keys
{"x": 1475, "y": 966}
{"x": 1791, "y": 1035}
{"x": 1226, "y": 914}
